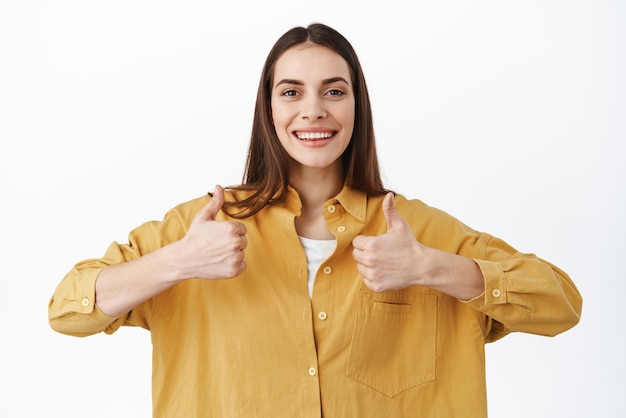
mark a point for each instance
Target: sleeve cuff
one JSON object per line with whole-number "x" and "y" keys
{"x": 81, "y": 299}
{"x": 495, "y": 286}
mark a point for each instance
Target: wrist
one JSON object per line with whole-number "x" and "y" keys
{"x": 173, "y": 270}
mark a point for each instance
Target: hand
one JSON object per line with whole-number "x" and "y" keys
{"x": 388, "y": 261}
{"x": 212, "y": 249}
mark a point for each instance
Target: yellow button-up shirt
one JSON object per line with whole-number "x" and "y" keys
{"x": 258, "y": 346}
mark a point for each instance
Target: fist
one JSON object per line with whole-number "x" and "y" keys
{"x": 387, "y": 261}
{"x": 213, "y": 249}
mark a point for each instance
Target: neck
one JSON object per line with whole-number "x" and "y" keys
{"x": 316, "y": 186}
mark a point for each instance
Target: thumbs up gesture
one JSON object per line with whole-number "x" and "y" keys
{"x": 212, "y": 249}
{"x": 388, "y": 261}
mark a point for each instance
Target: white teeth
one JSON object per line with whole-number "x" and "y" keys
{"x": 313, "y": 135}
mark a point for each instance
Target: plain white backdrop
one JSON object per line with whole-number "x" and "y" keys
{"x": 509, "y": 115}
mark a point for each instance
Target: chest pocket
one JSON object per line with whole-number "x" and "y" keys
{"x": 393, "y": 344}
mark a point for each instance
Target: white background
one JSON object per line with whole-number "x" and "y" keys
{"x": 507, "y": 114}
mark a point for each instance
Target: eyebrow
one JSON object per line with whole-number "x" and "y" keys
{"x": 324, "y": 82}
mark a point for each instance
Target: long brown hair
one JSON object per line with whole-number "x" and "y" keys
{"x": 267, "y": 168}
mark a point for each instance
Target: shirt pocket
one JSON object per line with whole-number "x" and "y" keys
{"x": 393, "y": 344}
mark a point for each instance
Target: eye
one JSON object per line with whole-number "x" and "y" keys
{"x": 289, "y": 93}
{"x": 335, "y": 92}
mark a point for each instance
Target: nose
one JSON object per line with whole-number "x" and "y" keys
{"x": 313, "y": 108}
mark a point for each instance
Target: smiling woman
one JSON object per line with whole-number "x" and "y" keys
{"x": 313, "y": 109}
{"x": 352, "y": 301}
{"x": 313, "y": 114}
{"x": 268, "y": 170}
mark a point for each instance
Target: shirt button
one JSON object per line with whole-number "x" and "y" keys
{"x": 332, "y": 209}
{"x": 85, "y": 302}
{"x": 496, "y": 293}
{"x": 328, "y": 270}
{"x": 322, "y": 316}
{"x": 341, "y": 229}
{"x": 312, "y": 371}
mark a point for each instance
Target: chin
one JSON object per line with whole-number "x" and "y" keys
{"x": 331, "y": 165}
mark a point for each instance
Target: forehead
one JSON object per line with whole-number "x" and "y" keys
{"x": 310, "y": 62}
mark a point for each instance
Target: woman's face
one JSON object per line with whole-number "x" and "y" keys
{"x": 313, "y": 105}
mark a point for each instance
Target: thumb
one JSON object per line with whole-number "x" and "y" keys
{"x": 209, "y": 212}
{"x": 393, "y": 218}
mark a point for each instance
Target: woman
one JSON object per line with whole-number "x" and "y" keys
{"x": 310, "y": 290}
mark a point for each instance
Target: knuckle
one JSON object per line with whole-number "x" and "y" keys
{"x": 233, "y": 270}
{"x": 378, "y": 287}
{"x": 235, "y": 228}
{"x": 369, "y": 259}
{"x": 374, "y": 286}
{"x": 362, "y": 270}
{"x": 371, "y": 245}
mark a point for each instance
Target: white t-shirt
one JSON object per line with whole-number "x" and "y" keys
{"x": 317, "y": 251}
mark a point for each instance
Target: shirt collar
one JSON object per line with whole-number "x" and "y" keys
{"x": 352, "y": 200}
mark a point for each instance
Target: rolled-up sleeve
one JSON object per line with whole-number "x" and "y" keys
{"x": 524, "y": 293}
{"x": 72, "y": 309}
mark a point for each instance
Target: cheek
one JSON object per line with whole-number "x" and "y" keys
{"x": 281, "y": 124}
{"x": 346, "y": 111}
{"x": 347, "y": 117}
{"x": 279, "y": 117}
{"x": 280, "y": 127}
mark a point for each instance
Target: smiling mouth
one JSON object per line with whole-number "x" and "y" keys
{"x": 314, "y": 136}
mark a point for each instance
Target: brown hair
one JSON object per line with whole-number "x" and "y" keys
{"x": 267, "y": 168}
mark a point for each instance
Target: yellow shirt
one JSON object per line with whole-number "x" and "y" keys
{"x": 258, "y": 346}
